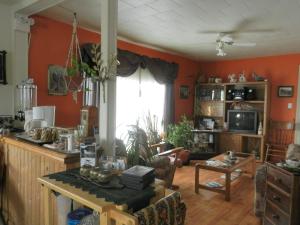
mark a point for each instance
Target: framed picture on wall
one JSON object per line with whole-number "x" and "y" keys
{"x": 3, "y": 67}
{"x": 57, "y": 84}
{"x": 285, "y": 91}
{"x": 184, "y": 92}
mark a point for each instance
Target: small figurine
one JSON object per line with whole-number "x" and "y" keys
{"x": 201, "y": 78}
{"x": 242, "y": 77}
{"x": 257, "y": 77}
{"x": 232, "y": 78}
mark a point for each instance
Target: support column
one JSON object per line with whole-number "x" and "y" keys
{"x": 107, "y": 112}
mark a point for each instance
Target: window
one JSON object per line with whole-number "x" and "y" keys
{"x": 137, "y": 95}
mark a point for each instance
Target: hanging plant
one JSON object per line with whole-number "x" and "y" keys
{"x": 76, "y": 70}
{"x": 102, "y": 72}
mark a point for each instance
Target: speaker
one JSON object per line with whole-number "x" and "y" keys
{"x": 3, "y": 67}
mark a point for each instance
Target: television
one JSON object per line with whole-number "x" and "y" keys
{"x": 242, "y": 121}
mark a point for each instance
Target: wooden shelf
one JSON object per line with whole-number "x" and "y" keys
{"x": 244, "y": 134}
{"x": 237, "y": 83}
{"x": 252, "y": 101}
{"x": 234, "y": 140}
{"x": 211, "y": 101}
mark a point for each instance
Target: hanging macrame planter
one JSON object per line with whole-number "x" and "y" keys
{"x": 76, "y": 70}
{"x": 73, "y": 73}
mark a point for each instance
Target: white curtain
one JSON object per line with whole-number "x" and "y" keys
{"x": 137, "y": 95}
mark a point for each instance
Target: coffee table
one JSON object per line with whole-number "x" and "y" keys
{"x": 243, "y": 159}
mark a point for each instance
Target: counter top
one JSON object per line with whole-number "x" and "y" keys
{"x": 60, "y": 156}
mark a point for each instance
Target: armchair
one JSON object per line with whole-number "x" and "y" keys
{"x": 169, "y": 210}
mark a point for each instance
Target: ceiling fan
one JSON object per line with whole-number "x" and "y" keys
{"x": 224, "y": 39}
{"x": 228, "y": 37}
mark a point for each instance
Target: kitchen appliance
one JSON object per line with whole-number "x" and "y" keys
{"x": 89, "y": 119}
{"x": 26, "y": 98}
{"x": 242, "y": 121}
{"x": 41, "y": 116}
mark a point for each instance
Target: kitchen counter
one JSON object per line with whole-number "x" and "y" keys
{"x": 62, "y": 156}
{"x": 25, "y": 162}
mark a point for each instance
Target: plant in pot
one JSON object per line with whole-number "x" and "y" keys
{"x": 181, "y": 135}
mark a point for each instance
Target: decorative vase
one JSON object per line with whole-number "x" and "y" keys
{"x": 260, "y": 129}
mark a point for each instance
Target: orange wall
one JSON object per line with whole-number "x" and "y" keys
{"x": 49, "y": 45}
{"x": 280, "y": 70}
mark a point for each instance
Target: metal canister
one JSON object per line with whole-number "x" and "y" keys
{"x": 91, "y": 92}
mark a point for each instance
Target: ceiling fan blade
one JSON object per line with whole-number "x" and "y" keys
{"x": 244, "y": 44}
{"x": 258, "y": 31}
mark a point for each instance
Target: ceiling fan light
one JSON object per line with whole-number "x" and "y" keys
{"x": 221, "y": 53}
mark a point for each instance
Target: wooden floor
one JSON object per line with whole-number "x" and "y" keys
{"x": 209, "y": 208}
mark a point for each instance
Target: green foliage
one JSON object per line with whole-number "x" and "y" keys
{"x": 79, "y": 68}
{"x": 138, "y": 151}
{"x": 151, "y": 128}
{"x": 181, "y": 134}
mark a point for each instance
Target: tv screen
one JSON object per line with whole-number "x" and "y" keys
{"x": 244, "y": 121}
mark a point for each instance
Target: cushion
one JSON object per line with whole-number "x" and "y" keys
{"x": 293, "y": 152}
{"x": 167, "y": 211}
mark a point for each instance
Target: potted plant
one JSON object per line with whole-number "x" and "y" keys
{"x": 181, "y": 135}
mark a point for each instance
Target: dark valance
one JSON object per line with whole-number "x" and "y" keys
{"x": 163, "y": 72}
{"x": 129, "y": 63}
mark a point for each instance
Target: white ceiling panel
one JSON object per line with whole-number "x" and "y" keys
{"x": 190, "y": 27}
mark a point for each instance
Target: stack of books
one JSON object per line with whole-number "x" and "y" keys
{"x": 138, "y": 177}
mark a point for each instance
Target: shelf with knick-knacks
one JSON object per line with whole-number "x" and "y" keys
{"x": 239, "y": 111}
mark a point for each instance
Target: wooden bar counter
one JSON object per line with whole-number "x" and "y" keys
{"x": 25, "y": 162}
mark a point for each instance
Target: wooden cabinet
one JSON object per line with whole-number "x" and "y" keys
{"x": 23, "y": 200}
{"x": 282, "y": 197}
{"x": 211, "y": 101}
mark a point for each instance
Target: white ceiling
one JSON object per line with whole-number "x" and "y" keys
{"x": 183, "y": 26}
{"x": 10, "y": 2}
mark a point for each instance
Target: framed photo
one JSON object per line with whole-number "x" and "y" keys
{"x": 3, "y": 67}
{"x": 285, "y": 91}
{"x": 184, "y": 92}
{"x": 57, "y": 84}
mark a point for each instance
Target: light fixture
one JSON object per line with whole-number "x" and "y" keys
{"x": 220, "y": 48}
{"x": 221, "y": 52}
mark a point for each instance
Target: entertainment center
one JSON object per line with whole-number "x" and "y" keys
{"x": 233, "y": 117}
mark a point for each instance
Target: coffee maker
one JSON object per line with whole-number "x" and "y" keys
{"x": 26, "y": 98}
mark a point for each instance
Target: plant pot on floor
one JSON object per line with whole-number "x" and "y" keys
{"x": 184, "y": 156}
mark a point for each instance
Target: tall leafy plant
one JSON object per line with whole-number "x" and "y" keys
{"x": 138, "y": 151}
{"x": 151, "y": 126}
{"x": 181, "y": 134}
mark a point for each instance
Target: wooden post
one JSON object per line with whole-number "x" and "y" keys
{"x": 227, "y": 186}
{"x": 47, "y": 206}
{"x": 104, "y": 219}
{"x": 107, "y": 112}
{"x": 197, "y": 179}
{"x": 253, "y": 167}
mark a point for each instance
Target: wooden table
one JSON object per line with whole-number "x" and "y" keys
{"x": 244, "y": 159}
{"x": 100, "y": 205}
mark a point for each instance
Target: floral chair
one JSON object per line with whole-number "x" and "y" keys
{"x": 170, "y": 210}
